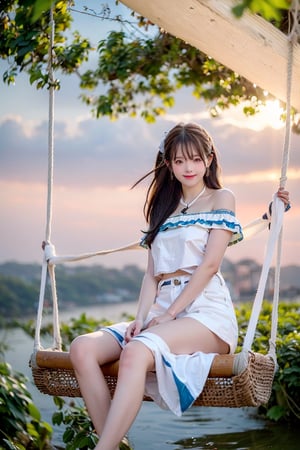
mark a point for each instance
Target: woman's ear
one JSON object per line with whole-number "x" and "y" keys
{"x": 209, "y": 160}
{"x": 208, "y": 163}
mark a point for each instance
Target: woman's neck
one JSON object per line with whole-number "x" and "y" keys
{"x": 189, "y": 194}
{"x": 193, "y": 200}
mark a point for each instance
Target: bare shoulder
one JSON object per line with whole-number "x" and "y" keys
{"x": 224, "y": 199}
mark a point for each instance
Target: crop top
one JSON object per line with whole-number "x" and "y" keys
{"x": 181, "y": 240}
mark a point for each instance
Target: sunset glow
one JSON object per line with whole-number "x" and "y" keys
{"x": 271, "y": 114}
{"x": 259, "y": 176}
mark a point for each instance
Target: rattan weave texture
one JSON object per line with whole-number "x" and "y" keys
{"x": 252, "y": 387}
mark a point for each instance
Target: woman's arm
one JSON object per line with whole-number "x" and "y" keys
{"x": 216, "y": 247}
{"x": 146, "y": 298}
{"x": 148, "y": 290}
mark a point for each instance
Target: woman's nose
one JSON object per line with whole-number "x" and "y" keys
{"x": 188, "y": 166}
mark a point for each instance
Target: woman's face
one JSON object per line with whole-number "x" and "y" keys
{"x": 189, "y": 169}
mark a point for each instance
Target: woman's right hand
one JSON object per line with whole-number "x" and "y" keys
{"x": 133, "y": 329}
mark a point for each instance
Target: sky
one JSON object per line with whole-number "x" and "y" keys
{"x": 97, "y": 160}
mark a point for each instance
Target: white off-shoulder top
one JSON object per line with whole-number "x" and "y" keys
{"x": 181, "y": 240}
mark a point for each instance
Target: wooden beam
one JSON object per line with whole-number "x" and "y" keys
{"x": 250, "y": 46}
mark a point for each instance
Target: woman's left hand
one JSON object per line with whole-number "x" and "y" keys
{"x": 166, "y": 317}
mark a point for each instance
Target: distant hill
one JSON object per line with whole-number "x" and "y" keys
{"x": 90, "y": 285}
{"x": 76, "y": 285}
{"x": 243, "y": 278}
{"x": 290, "y": 276}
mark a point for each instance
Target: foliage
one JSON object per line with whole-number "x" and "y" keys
{"x": 18, "y": 296}
{"x": 140, "y": 69}
{"x": 21, "y": 426}
{"x": 82, "y": 325}
{"x": 153, "y": 69}
{"x": 284, "y": 403}
{"x": 25, "y": 42}
{"x": 79, "y": 431}
{"x": 269, "y": 9}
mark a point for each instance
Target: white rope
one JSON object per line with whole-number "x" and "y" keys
{"x": 276, "y": 224}
{"x": 56, "y": 335}
{"x": 292, "y": 41}
{"x": 278, "y": 211}
{"x": 37, "y": 339}
{"x": 52, "y": 258}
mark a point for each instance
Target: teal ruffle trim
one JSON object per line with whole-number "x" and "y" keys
{"x": 220, "y": 219}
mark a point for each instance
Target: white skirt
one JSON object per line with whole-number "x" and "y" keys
{"x": 179, "y": 379}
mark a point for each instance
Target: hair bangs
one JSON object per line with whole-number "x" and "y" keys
{"x": 188, "y": 146}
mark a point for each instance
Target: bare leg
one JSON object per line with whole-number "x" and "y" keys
{"x": 136, "y": 359}
{"x": 87, "y": 353}
{"x": 187, "y": 335}
{"x": 183, "y": 336}
{"x": 113, "y": 419}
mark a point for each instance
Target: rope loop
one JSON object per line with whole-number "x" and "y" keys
{"x": 49, "y": 252}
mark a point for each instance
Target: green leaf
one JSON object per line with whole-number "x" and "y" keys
{"x": 238, "y": 10}
{"x": 276, "y": 412}
{"x": 40, "y": 7}
{"x": 59, "y": 402}
{"x": 34, "y": 76}
{"x": 68, "y": 435}
{"x": 57, "y": 418}
{"x": 34, "y": 412}
{"x": 80, "y": 440}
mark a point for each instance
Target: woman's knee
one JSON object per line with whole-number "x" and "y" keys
{"x": 136, "y": 354}
{"x": 92, "y": 348}
{"x": 79, "y": 350}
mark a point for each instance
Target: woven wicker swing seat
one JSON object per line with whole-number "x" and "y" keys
{"x": 53, "y": 374}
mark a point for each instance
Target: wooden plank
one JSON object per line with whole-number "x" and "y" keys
{"x": 222, "y": 365}
{"x": 250, "y": 46}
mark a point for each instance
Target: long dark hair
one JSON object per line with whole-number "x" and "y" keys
{"x": 164, "y": 192}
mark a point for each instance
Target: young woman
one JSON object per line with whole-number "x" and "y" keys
{"x": 185, "y": 314}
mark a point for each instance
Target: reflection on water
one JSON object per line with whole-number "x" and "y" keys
{"x": 155, "y": 429}
{"x": 254, "y": 439}
{"x": 209, "y": 429}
